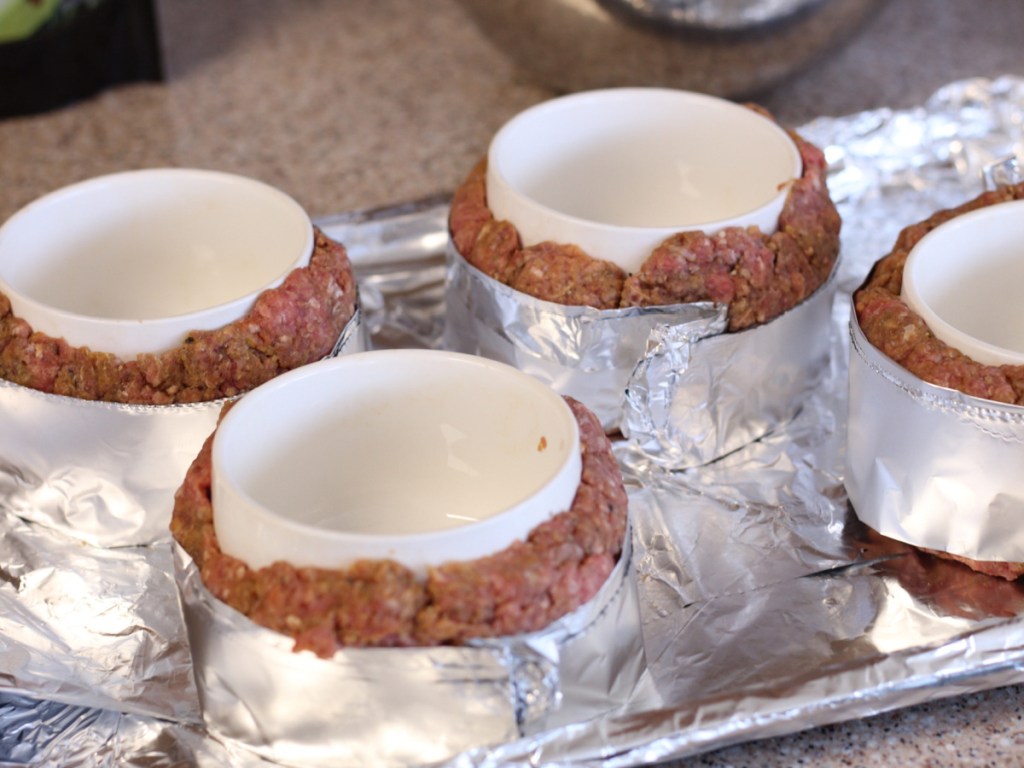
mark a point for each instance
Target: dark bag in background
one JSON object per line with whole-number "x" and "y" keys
{"x": 53, "y": 52}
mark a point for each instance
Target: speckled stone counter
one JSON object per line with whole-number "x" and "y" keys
{"x": 362, "y": 103}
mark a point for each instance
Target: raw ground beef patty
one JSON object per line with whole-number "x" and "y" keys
{"x": 759, "y": 276}
{"x": 290, "y": 325}
{"x": 561, "y": 565}
{"x": 899, "y": 333}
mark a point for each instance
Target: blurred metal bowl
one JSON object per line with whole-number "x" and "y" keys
{"x": 731, "y": 48}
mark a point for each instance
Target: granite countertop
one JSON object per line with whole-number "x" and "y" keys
{"x": 365, "y": 103}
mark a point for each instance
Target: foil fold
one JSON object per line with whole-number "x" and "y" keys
{"x": 694, "y": 398}
{"x": 932, "y": 466}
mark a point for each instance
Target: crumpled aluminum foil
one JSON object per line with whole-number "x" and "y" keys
{"x": 692, "y": 399}
{"x": 667, "y": 377}
{"x": 766, "y": 606}
{"x": 98, "y": 627}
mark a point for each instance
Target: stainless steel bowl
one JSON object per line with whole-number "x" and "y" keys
{"x": 731, "y": 48}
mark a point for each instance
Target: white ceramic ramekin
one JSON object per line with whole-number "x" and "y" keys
{"x": 617, "y": 171}
{"x": 132, "y": 262}
{"x": 419, "y": 456}
{"x": 964, "y": 279}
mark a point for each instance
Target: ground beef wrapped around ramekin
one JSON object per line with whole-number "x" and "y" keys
{"x": 759, "y": 276}
{"x": 902, "y": 335}
{"x": 381, "y": 603}
{"x": 293, "y": 324}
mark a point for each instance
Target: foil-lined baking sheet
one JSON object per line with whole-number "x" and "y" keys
{"x": 766, "y": 606}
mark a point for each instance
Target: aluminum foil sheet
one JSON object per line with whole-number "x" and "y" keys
{"x": 667, "y": 377}
{"x": 90, "y": 626}
{"x": 931, "y": 466}
{"x": 105, "y": 472}
{"x": 765, "y": 605}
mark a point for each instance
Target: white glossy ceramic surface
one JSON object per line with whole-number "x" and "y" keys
{"x": 415, "y": 455}
{"x": 617, "y": 171}
{"x": 965, "y": 279}
{"x": 131, "y": 262}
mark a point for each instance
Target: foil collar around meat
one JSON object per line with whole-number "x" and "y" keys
{"x": 667, "y": 377}
{"x": 931, "y": 466}
{"x": 766, "y": 606}
{"x": 404, "y": 706}
{"x": 105, "y": 473}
